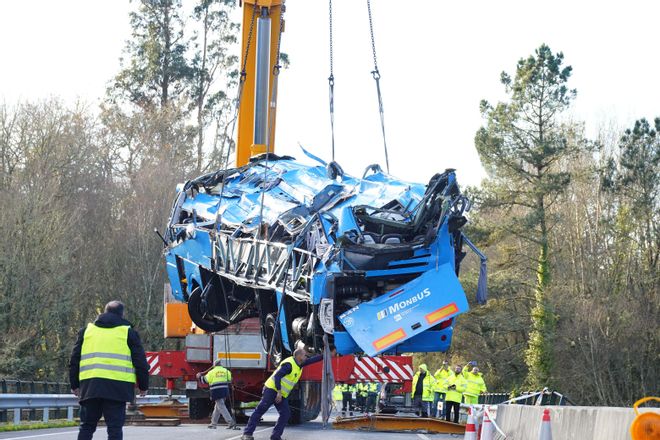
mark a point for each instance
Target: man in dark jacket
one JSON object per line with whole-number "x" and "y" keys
{"x": 106, "y": 362}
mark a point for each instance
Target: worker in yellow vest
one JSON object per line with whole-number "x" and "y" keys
{"x": 347, "y": 398}
{"x": 372, "y": 396}
{"x": 106, "y": 362}
{"x": 362, "y": 390}
{"x": 276, "y": 390}
{"x": 336, "y": 396}
{"x": 440, "y": 389}
{"x": 219, "y": 380}
{"x": 456, "y": 384}
{"x": 475, "y": 383}
{"x": 423, "y": 383}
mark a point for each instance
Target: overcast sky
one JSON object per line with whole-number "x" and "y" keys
{"x": 437, "y": 60}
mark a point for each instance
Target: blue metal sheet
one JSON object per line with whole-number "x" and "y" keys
{"x": 405, "y": 310}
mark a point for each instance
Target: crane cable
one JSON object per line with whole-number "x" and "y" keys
{"x": 331, "y": 84}
{"x": 376, "y": 75}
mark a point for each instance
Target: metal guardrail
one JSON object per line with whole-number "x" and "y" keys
{"x": 17, "y": 403}
{"x": 17, "y": 386}
{"x": 45, "y": 387}
{"x": 543, "y": 397}
{"x": 493, "y": 398}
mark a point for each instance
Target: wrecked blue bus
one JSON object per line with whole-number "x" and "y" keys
{"x": 372, "y": 262}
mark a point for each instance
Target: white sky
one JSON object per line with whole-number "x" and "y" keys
{"x": 437, "y": 60}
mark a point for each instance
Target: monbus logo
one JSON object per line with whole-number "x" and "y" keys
{"x": 403, "y": 304}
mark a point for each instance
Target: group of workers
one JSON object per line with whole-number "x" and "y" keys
{"x": 451, "y": 387}
{"x": 108, "y": 360}
{"x": 361, "y": 397}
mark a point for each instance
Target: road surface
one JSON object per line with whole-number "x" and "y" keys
{"x": 310, "y": 430}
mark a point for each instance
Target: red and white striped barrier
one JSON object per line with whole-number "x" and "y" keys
{"x": 154, "y": 364}
{"x": 372, "y": 369}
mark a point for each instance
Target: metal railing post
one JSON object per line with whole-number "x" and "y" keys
{"x": 33, "y": 411}
{"x": 17, "y": 416}
{"x": 3, "y": 390}
{"x": 69, "y": 413}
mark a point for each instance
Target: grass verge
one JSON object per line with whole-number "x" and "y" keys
{"x": 37, "y": 425}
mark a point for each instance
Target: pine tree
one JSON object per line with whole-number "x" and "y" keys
{"x": 520, "y": 147}
{"x": 155, "y": 70}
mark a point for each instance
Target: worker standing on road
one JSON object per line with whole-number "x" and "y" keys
{"x": 219, "y": 380}
{"x": 440, "y": 389}
{"x": 336, "y": 396}
{"x": 361, "y": 397}
{"x": 106, "y": 361}
{"x": 422, "y": 385}
{"x": 347, "y": 398}
{"x": 372, "y": 394}
{"x": 277, "y": 389}
{"x": 475, "y": 383}
{"x": 456, "y": 384}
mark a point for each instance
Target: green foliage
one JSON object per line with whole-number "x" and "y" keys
{"x": 520, "y": 147}
{"x": 10, "y": 427}
{"x": 155, "y": 69}
{"x": 182, "y": 62}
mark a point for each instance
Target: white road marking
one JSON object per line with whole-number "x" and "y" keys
{"x": 423, "y": 437}
{"x": 241, "y": 435}
{"x": 42, "y": 435}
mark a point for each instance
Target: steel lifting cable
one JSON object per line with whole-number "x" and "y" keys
{"x": 376, "y": 75}
{"x": 331, "y": 84}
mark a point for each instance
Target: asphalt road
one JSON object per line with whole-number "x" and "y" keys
{"x": 310, "y": 430}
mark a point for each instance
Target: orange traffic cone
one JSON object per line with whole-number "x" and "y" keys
{"x": 545, "y": 433}
{"x": 487, "y": 429}
{"x": 470, "y": 431}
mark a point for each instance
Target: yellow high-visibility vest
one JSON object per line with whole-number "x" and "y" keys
{"x": 218, "y": 377}
{"x": 105, "y": 354}
{"x": 455, "y": 394}
{"x": 441, "y": 380}
{"x": 337, "y": 393}
{"x": 428, "y": 384}
{"x": 289, "y": 381}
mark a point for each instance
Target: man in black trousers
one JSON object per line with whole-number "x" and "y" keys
{"x": 106, "y": 362}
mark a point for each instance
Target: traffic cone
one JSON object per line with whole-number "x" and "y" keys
{"x": 470, "y": 431}
{"x": 487, "y": 429}
{"x": 545, "y": 433}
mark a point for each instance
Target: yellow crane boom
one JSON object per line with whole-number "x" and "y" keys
{"x": 256, "y": 115}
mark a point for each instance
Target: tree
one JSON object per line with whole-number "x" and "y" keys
{"x": 155, "y": 70}
{"x": 520, "y": 147}
{"x": 212, "y": 60}
{"x": 635, "y": 179}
